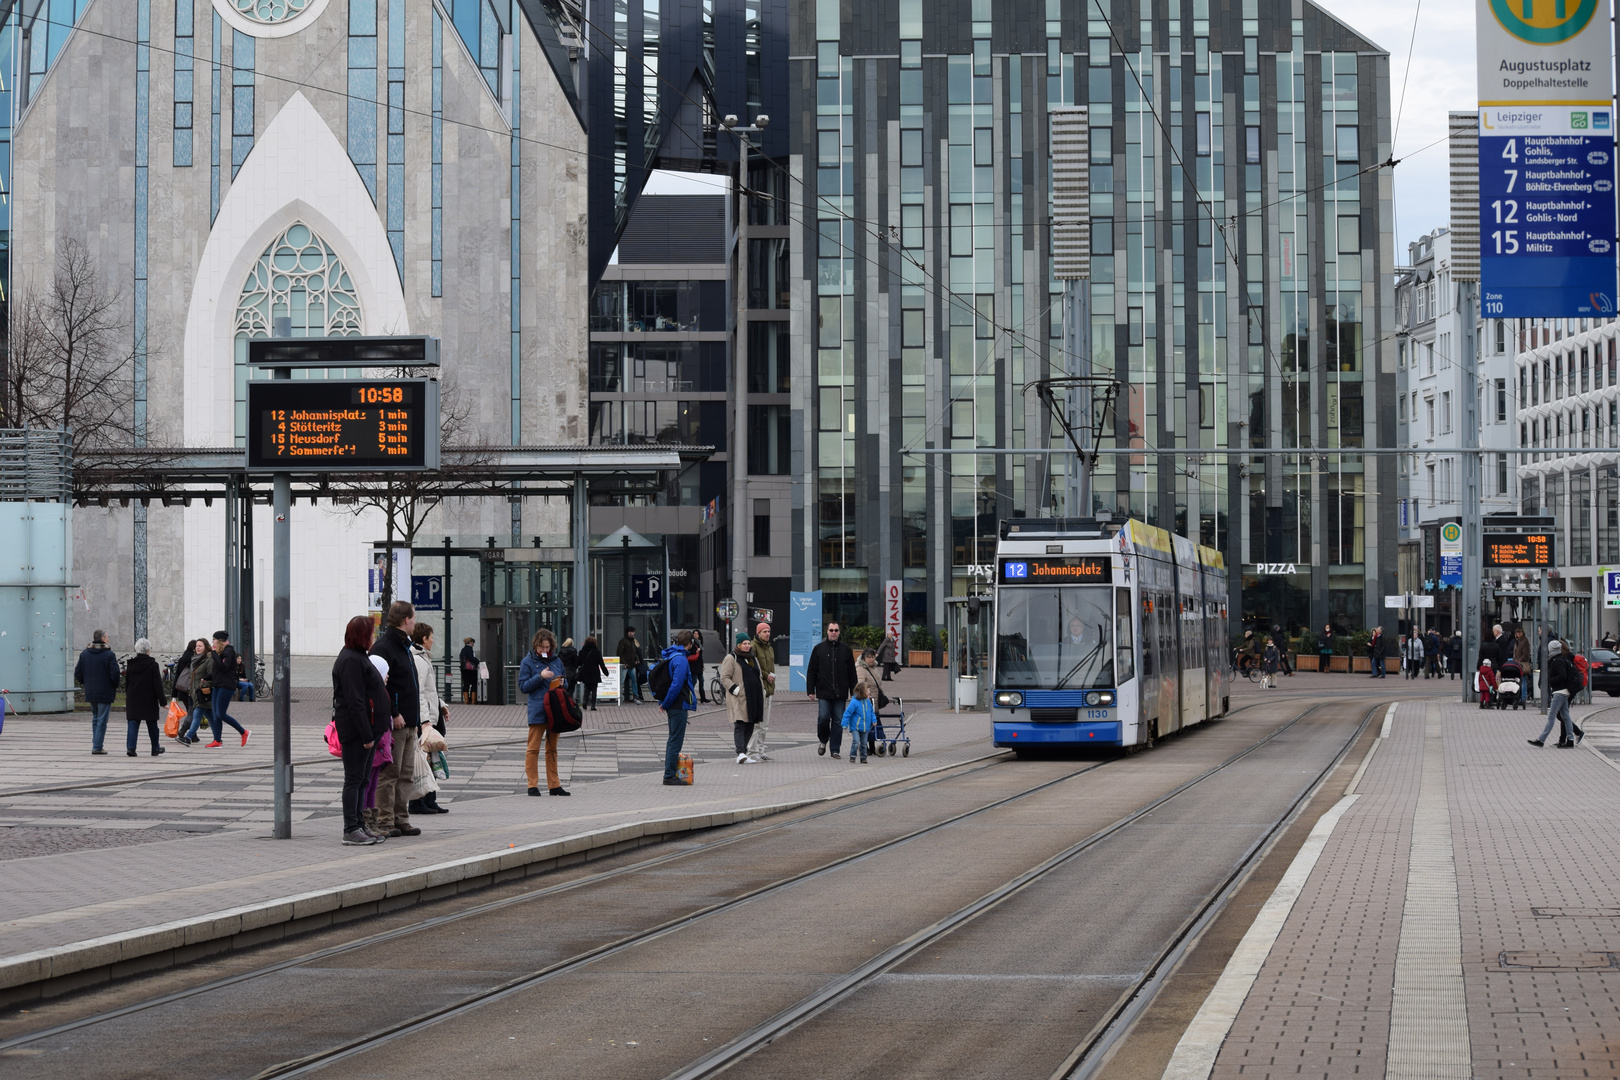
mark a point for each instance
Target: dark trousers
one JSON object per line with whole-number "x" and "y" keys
{"x": 677, "y": 739}
{"x": 830, "y": 722}
{"x": 356, "y": 774}
{"x": 742, "y": 733}
{"x": 222, "y": 716}
{"x": 135, "y": 734}
{"x": 589, "y": 701}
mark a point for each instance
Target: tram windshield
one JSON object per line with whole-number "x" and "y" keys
{"x": 1054, "y": 638}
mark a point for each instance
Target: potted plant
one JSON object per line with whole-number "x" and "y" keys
{"x": 920, "y": 647}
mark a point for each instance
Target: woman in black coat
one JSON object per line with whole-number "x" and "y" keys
{"x": 360, "y": 708}
{"x": 591, "y": 670}
{"x": 143, "y": 696}
{"x": 469, "y": 673}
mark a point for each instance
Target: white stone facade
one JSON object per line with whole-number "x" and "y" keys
{"x": 75, "y": 175}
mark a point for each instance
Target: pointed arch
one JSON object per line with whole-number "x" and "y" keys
{"x": 298, "y": 173}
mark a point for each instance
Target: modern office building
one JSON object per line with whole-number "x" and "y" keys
{"x": 1241, "y": 290}
{"x": 1568, "y": 383}
{"x": 1430, "y": 327}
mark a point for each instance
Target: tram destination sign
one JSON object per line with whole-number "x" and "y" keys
{"x": 343, "y": 425}
{"x": 1052, "y": 568}
{"x": 1524, "y": 551}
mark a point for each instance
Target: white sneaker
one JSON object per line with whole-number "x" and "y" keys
{"x": 742, "y": 759}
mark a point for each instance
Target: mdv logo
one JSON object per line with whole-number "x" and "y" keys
{"x": 1598, "y": 247}
{"x": 1544, "y": 22}
{"x": 1597, "y": 157}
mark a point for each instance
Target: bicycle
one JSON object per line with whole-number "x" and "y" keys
{"x": 1246, "y": 665}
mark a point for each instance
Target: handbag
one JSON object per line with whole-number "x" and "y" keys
{"x": 176, "y": 716}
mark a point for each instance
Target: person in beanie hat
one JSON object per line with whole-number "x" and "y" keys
{"x": 1560, "y": 681}
{"x": 745, "y": 693}
{"x": 765, "y": 657}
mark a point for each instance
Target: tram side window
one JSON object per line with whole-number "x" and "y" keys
{"x": 1125, "y": 664}
{"x": 1150, "y": 638}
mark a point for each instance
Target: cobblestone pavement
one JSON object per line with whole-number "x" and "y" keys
{"x": 1461, "y": 920}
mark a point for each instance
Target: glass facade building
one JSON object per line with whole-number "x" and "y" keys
{"x": 1240, "y": 294}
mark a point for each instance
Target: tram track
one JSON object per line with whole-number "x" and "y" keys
{"x": 779, "y": 1025}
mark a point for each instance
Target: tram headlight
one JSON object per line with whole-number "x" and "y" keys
{"x": 1107, "y": 697}
{"x": 1094, "y": 698}
{"x": 1010, "y": 699}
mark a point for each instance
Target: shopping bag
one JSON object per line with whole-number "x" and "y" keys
{"x": 433, "y": 741}
{"x": 176, "y": 717}
{"x": 422, "y": 782}
{"x": 684, "y": 770}
{"x": 441, "y": 765}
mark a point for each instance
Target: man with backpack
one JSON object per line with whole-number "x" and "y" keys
{"x": 1564, "y": 681}
{"x": 671, "y": 680}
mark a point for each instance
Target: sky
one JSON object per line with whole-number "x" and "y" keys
{"x": 1441, "y": 80}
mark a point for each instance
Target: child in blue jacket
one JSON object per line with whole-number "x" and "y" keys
{"x": 859, "y": 718}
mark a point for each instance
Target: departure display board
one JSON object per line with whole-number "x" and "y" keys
{"x": 1527, "y": 551}
{"x": 1038, "y": 570}
{"x": 342, "y": 425}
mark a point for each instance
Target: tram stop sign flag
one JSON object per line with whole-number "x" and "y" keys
{"x": 1546, "y": 159}
{"x": 1451, "y": 555}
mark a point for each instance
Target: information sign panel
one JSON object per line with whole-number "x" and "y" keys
{"x": 804, "y": 631}
{"x": 343, "y": 425}
{"x": 427, "y": 592}
{"x": 893, "y": 602}
{"x": 646, "y": 592}
{"x": 1546, "y": 159}
{"x": 1526, "y": 551}
{"x": 1038, "y": 569}
{"x": 1611, "y": 588}
{"x": 1451, "y": 555}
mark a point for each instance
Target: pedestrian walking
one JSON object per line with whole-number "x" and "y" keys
{"x": 1375, "y": 652}
{"x": 829, "y": 677}
{"x": 1560, "y": 681}
{"x": 677, "y": 703}
{"x": 202, "y": 690}
{"x": 97, "y": 671}
{"x": 744, "y": 687}
{"x": 1454, "y": 649}
{"x": 1324, "y": 647}
{"x": 144, "y": 699}
{"x": 360, "y": 711}
{"x": 224, "y": 678}
{"x": 541, "y": 669}
{"x": 765, "y": 657}
{"x": 469, "y": 672}
{"x": 866, "y": 674}
{"x": 1414, "y": 656}
{"x": 393, "y": 648}
{"x": 1486, "y": 681}
{"x": 1282, "y": 651}
{"x": 570, "y": 662}
{"x": 1270, "y": 664}
{"x": 1525, "y": 656}
{"x": 697, "y": 666}
{"x": 888, "y": 656}
{"x": 629, "y": 651}
{"x": 182, "y": 689}
{"x": 860, "y": 716}
{"x": 1432, "y": 656}
{"x": 430, "y": 708}
{"x": 591, "y": 669}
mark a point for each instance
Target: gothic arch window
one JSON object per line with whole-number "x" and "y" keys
{"x": 270, "y": 11}
{"x": 297, "y": 288}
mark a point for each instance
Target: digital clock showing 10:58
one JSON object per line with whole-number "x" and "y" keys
{"x": 342, "y": 425}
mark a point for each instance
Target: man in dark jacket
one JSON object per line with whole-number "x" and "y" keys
{"x": 677, "y": 702}
{"x": 97, "y": 672}
{"x": 395, "y": 780}
{"x": 227, "y": 667}
{"x": 629, "y": 666}
{"x": 144, "y": 697}
{"x": 1561, "y": 681}
{"x": 829, "y": 677}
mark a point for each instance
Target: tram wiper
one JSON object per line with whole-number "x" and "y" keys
{"x": 1083, "y": 661}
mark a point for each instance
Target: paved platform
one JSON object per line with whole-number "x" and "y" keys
{"x": 100, "y": 896}
{"x": 1461, "y": 917}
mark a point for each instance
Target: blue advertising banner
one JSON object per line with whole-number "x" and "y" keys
{"x": 1547, "y": 218}
{"x": 804, "y": 632}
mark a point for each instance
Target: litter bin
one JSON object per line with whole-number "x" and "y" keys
{"x": 967, "y": 690}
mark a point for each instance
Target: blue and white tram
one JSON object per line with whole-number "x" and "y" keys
{"x": 1107, "y": 634}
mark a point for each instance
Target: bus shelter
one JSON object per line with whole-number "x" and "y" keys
{"x": 968, "y": 632}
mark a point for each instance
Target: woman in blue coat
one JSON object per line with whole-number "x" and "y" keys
{"x": 541, "y": 669}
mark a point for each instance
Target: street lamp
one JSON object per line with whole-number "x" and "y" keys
{"x": 739, "y": 422}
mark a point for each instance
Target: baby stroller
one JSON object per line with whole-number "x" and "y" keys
{"x": 1509, "y": 687}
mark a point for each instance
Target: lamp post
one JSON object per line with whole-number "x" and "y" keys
{"x": 739, "y": 440}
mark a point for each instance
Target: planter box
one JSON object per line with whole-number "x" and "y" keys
{"x": 1361, "y": 664}
{"x": 920, "y": 658}
{"x": 1340, "y": 663}
{"x": 1392, "y": 664}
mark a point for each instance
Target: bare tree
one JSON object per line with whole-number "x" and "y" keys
{"x": 72, "y": 357}
{"x": 406, "y": 499}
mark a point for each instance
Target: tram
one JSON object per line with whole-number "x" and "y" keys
{"x": 1106, "y": 634}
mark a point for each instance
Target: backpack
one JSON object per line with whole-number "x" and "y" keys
{"x": 660, "y": 678}
{"x": 1577, "y": 675}
{"x": 562, "y": 713}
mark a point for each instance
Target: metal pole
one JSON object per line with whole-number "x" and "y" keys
{"x": 582, "y": 559}
{"x": 281, "y": 607}
{"x": 1473, "y": 549}
{"x": 448, "y": 637}
{"x": 739, "y": 443}
{"x": 1543, "y": 630}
